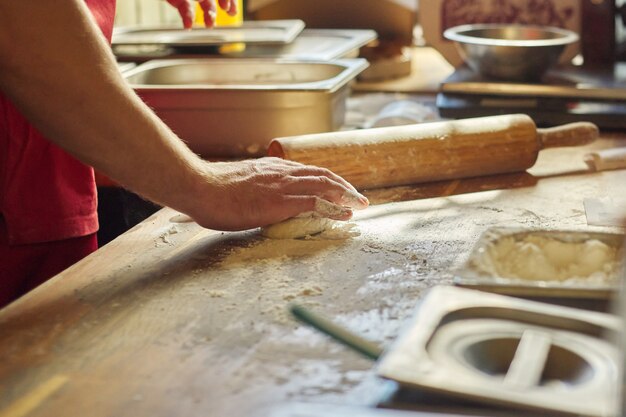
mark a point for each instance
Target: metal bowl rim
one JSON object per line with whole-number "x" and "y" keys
{"x": 456, "y": 34}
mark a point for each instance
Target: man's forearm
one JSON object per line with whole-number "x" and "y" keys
{"x": 57, "y": 68}
{"x": 59, "y": 71}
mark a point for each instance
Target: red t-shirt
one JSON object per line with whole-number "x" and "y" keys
{"x": 45, "y": 194}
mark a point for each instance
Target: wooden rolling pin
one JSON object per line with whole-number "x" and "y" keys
{"x": 401, "y": 155}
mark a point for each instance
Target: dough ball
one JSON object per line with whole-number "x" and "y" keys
{"x": 297, "y": 227}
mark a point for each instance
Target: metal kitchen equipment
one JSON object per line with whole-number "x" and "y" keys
{"x": 235, "y": 107}
{"x": 505, "y": 351}
{"x": 322, "y": 44}
{"x": 563, "y": 95}
{"x": 311, "y": 44}
{"x": 510, "y": 51}
{"x": 597, "y": 22}
{"x": 125, "y": 66}
{"x": 250, "y": 32}
{"x": 473, "y": 274}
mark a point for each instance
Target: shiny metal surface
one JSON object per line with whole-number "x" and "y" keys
{"x": 125, "y": 66}
{"x": 510, "y": 52}
{"x": 510, "y": 352}
{"x": 235, "y": 107}
{"x": 316, "y": 44}
{"x": 561, "y": 82}
{"x": 472, "y": 276}
{"x": 311, "y": 44}
{"x": 266, "y": 32}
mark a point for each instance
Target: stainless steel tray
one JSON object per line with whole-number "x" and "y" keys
{"x": 507, "y": 351}
{"x": 125, "y": 66}
{"x": 313, "y": 44}
{"x": 562, "y": 82}
{"x": 320, "y": 44}
{"x": 235, "y": 107}
{"x": 251, "y": 32}
{"x": 474, "y": 274}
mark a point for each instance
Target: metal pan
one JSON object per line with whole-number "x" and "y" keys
{"x": 312, "y": 44}
{"x": 235, "y": 107}
{"x": 479, "y": 273}
{"x": 506, "y": 351}
{"x": 265, "y": 32}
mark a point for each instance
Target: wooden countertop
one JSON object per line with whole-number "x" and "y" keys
{"x": 174, "y": 320}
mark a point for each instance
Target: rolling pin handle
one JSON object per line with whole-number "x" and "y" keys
{"x": 572, "y": 134}
{"x": 275, "y": 149}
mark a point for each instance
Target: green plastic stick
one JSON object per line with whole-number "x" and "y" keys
{"x": 340, "y": 334}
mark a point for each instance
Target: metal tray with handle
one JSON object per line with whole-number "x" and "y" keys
{"x": 265, "y": 32}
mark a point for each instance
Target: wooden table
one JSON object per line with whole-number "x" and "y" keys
{"x": 173, "y": 320}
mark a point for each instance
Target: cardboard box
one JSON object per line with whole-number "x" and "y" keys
{"x": 391, "y": 19}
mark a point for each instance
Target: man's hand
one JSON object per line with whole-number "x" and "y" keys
{"x": 186, "y": 8}
{"x": 96, "y": 116}
{"x": 252, "y": 193}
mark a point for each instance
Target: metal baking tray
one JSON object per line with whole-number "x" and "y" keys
{"x": 250, "y": 32}
{"x": 506, "y": 351}
{"x": 125, "y": 66}
{"x": 320, "y": 44}
{"x": 474, "y": 274}
{"x": 582, "y": 82}
{"x": 313, "y": 44}
{"x": 235, "y": 107}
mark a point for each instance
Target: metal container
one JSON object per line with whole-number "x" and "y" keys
{"x": 125, "y": 66}
{"x": 310, "y": 44}
{"x": 510, "y": 352}
{"x": 268, "y": 32}
{"x": 316, "y": 44}
{"x": 509, "y": 51}
{"x": 235, "y": 107}
{"x": 478, "y": 273}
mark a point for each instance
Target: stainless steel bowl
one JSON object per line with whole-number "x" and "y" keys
{"x": 508, "y": 51}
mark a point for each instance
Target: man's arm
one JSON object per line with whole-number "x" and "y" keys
{"x": 57, "y": 68}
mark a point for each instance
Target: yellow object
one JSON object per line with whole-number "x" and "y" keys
{"x": 222, "y": 18}
{"x": 29, "y": 402}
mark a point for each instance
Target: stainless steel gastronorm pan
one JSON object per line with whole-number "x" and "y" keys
{"x": 310, "y": 44}
{"x": 249, "y": 32}
{"x": 235, "y": 107}
{"x": 472, "y": 276}
{"x": 510, "y": 352}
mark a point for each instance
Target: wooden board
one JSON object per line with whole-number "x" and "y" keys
{"x": 170, "y": 319}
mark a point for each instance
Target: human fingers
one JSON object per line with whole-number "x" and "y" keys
{"x": 230, "y": 6}
{"x": 326, "y": 188}
{"x": 356, "y": 199}
{"x": 350, "y": 195}
{"x": 185, "y": 9}
{"x": 209, "y": 11}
